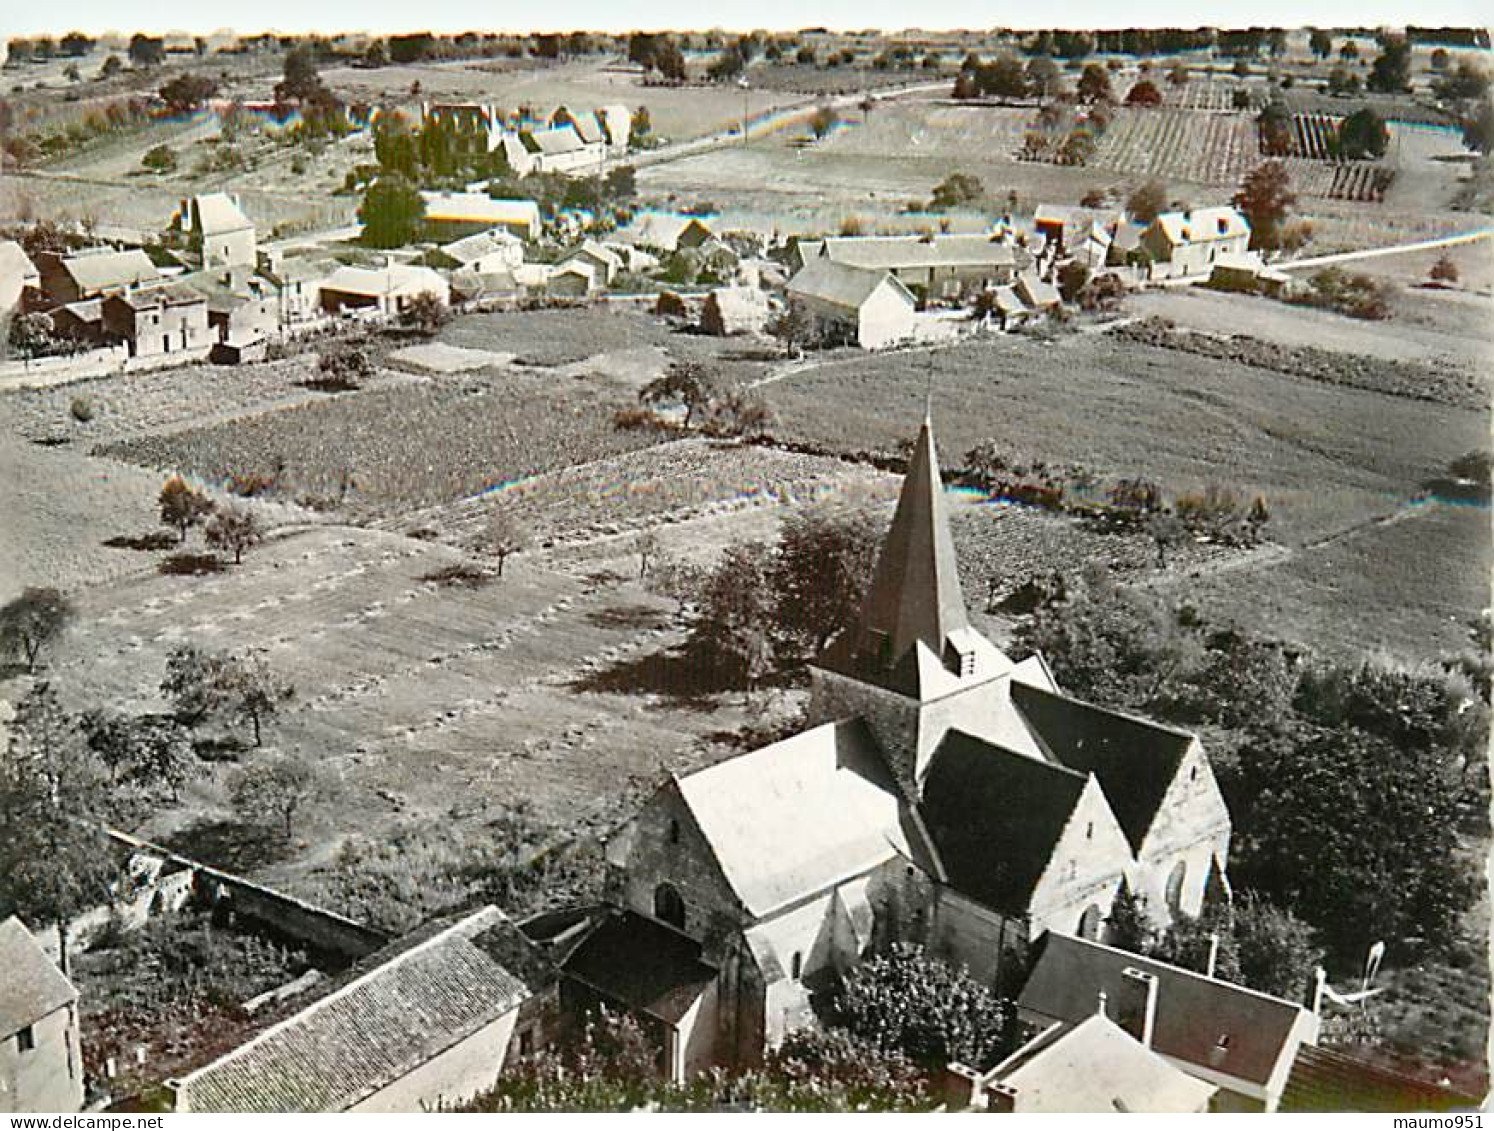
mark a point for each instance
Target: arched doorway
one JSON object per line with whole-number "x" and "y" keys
{"x": 1175, "y": 888}
{"x": 668, "y": 906}
{"x": 1089, "y": 923}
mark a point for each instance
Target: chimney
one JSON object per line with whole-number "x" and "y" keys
{"x": 1149, "y": 1016}
{"x": 1319, "y": 983}
{"x": 1213, "y": 954}
{"x": 1103, "y": 999}
{"x": 962, "y": 1087}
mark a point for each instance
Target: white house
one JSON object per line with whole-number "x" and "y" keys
{"x": 386, "y": 289}
{"x": 1189, "y": 243}
{"x": 851, "y": 304}
{"x": 41, "y": 1064}
{"x": 217, "y": 232}
{"x": 452, "y": 215}
{"x": 484, "y": 253}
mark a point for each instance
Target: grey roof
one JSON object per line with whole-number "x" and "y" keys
{"x": 96, "y": 271}
{"x": 1202, "y": 225}
{"x": 14, "y": 263}
{"x": 217, "y": 213}
{"x": 915, "y": 592}
{"x": 479, "y": 207}
{"x": 1035, "y": 292}
{"x": 1200, "y": 1020}
{"x": 642, "y": 964}
{"x": 840, "y": 285}
{"x": 904, "y": 252}
{"x": 798, "y": 816}
{"x": 1134, "y": 760}
{"x": 555, "y": 141}
{"x": 171, "y": 294}
{"x": 471, "y": 248}
{"x": 419, "y": 997}
{"x": 996, "y": 817}
{"x": 586, "y": 125}
{"x": 32, "y": 987}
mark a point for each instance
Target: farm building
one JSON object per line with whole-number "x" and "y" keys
{"x": 734, "y": 310}
{"x": 41, "y": 1063}
{"x": 941, "y": 266}
{"x": 468, "y": 285}
{"x": 943, "y": 795}
{"x": 1063, "y": 227}
{"x": 1036, "y": 294}
{"x": 90, "y": 274}
{"x": 496, "y": 249}
{"x": 1240, "y": 1040}
{"x": 1091, "y": 1066}
{"x": 216, "y": 231}
{"x": 454, "y": 215}
{"x": 586, "y": 125}
{"x": 429, "y": 1020}
{"x": 562, "y": 149}
{"x": 298, "y": 283}
{"x": 574, "y": 279}
{"x": 617, "y": 121}
{"x": 474, "y": 127}
{"x": 17, "y": 273}
{"x": 1188, "y": 243}
{"x": 1248, "y": 273}
{"x": 665, "y": 231}
{"x": 851, "y": 304}
{"x": 158, "y": 321}
{"x": 605, "y": 263}
{"x": 242, "y": 309}
{"x": 387, "y": 290}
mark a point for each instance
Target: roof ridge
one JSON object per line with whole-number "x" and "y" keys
{"x": 341, "y": 992}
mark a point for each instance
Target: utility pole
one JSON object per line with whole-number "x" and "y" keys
{"x": 746, "y": 114}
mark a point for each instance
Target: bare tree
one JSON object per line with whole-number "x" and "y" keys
{"x": 646, "y": 546}
{"x": 236, "y": 529}
{"x": 504, "y": 536}
{"x": 32, "y": 621}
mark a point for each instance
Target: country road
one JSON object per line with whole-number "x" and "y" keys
{"x": 1376, "y": 252}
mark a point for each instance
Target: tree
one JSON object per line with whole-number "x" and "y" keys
{"x": 1320, "y": 43}
{"x": 1003, "y": 77}
{"x": 235, "y": 529}
{"x": 1094, "y": 84}
{"x": 1277, "y": 951}
{"x": 908, "y": 1002}
{"x": 822, "y": 121}
{"x": 278, "y": 787}
{"x": 647, "y": 547}
{"x": 391, "y": 212}
{"x": 183, "y": 507}
{"x": 678, "y": 580}
{"x": 505, "y": 536}
{"x": 670, "y": 61}
{"x": 110, "y": 67}
{"x": 1071, "y": 279}
{"x": 302, "y": 81}
{"x": 146, "y": 52}
{"x": 376, "y": 57}
{"x": 33, "y": 622}
{"x": 1390, "y": 73}
{"x": 255, "y": 692}
{"x": 794, "y": 327}
{"x": 1444, "y": 270}
{"x": 958, "y": 190}
{"x": 685, "y": 383}
{"x": 55, "y": 861}
{"x": 201, "y": 685}
{"x": 186, "y": 92}
{"x": 1147, "y": 201}
{"x": 146, "y": 751}
{"x": 1177, "y": 74}
{"x": 75, "y": 44}
{"x": 1265, "y": 197}
{"x": 822, "y": 571}
{"x": 1044, "y": 79}
{"x": 642, "y": 124}
{"x": 736, "y": 611}
{"x": 1129, "y": 927}
{"x": 1363, "y": 135}
{"x": 1468, "y": 81}
{"x": 1274, "y": 125}
{"x": 1478, "y": 131}
{"x": 1144, "y": 93}
{"x": 425, "y": 313}
{"x": 1341, "y": 80}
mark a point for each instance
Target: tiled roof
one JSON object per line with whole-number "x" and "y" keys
{"x": 1202, "y": 1021}
{"x": 1323, "y": 1080}
{"x": 556, "y": 141}
{"x": 14, "y": 262}
{"x": 1203, "y": 225}
{"x": 403, "y": 1005}
{"x": 394, "y": 278}
{"x": 92, "y": 272}
{"x": 1096, "y": 1066}
{"x": 889, "y": 253}
{"x": 840, "y": 285}
{"x": 217, "y": 213}
{"x": 798, "y": 816}
{"x": 32, "y": 987}
{"x": 470, "y": 249}
{"x": 642, "y": 964}
{"x": 996, "y": 817}
{"x": 1135, "y": 760}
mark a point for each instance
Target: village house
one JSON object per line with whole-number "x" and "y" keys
{"x": 429, "y": 1021}
{"x": 298, "y": 285}
{"x": 932, "y": 266}
{"x": 605, "y": 263}
{"x": 1091, "y": 1066}
{"x": 1188, "y": 243}
{"x": 243, "y": 312}
{"x": 942, "y": 795}
{"x": 157, "y": 321}
{"x": 1064, "y": 228}
{"x": 735, "y": 310}
{"x": 587, "y": 125}
{"x": 92, "y": 273}
{"x": 41, "y": 1063}
{"x": 454, "y": 215}
{"x": 575, "y": 278}
{"x": 1239, "y": 1040}
{"x": 216, "y": 231}
{"x": 494, "y": 250}
{"x": 386, "y": 290}
{"x": 665, "y": 231}
{"x": 853, "y": 305}
{"x": 562, "y": 149}
{"x": 17, "y": 275}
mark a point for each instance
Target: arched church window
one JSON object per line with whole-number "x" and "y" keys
{"x": 1089, "y": 923}
{"x": 1175, "y": 887}
{"x": 669, "y": 907}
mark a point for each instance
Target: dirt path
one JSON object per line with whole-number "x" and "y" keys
{"x": 1397, "y": 249}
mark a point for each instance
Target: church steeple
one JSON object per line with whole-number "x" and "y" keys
{"x": 915, "y": 593}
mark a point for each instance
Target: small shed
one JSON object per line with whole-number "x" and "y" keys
{"x": 734, "y": 310}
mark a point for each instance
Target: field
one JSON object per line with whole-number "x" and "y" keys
{"x": 1180, "y": 145}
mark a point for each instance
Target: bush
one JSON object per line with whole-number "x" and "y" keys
{"x": 160, "y": 159}
{"x": 1444, "y": 270}
{"x": 81, "y": 409}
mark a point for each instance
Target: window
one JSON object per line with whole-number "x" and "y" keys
{"x": 1089, "y": 923}
{"x": 796, "y": 966}
{"x": 526, "y": 1042}
{"x": 1089, "y": 831}
{"x": 1175, "y": 887}
{"x": 668, "y": 906}
{"x": 674, "y": 832}
{"x": 26, "y": 1039}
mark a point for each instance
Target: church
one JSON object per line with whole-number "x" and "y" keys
{"x": 943, "y": 795}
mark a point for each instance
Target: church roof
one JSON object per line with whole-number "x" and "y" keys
{"x": 799, "y": 816}
{"x": 1134, "y": 760}
{"x": 995, "y": 817}
{"x": 915, "y": 593}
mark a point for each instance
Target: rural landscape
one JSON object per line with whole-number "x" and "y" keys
{"x": 686, "y": 570}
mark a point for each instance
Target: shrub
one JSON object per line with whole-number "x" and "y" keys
{"x": 81, "y": 409}
{"x": 1444, "y": 270}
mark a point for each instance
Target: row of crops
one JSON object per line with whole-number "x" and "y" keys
{"x": 1180, "y": 145}
{"x": 1315, "y": 136}
{"x": 1360, "y": 182}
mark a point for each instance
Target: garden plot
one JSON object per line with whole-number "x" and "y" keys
{"x": 1209, "y": 149}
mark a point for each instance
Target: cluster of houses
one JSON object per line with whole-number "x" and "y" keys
{"x": 942, "y": 795}
{"x": 569, "y": 142}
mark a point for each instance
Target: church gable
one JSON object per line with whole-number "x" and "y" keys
{"x": 1085, "y": 868}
